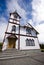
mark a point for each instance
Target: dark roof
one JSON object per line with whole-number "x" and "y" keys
{"x": 15, "y": 12}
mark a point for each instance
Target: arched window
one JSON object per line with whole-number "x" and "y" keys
{"x": 14, "y": 28}
{"x": 33, "y": 44}
{"x": 30, "y": 42}
{"x": 27, "y": 42}
{"x": 28, "y": 31}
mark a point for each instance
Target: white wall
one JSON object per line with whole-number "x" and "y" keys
{"x": 23, "y": 43}
{"x": 17, "y": 29}
{"x": 33, "y": 32}
{"x": 5, "y": 45}
{"x": 10, "y": 28}
{"x": 10, "y": 25}
{"x": 12, "y": 16}
{"x": 23, "y": 40}
{"x": 17, "y": 42}
{"x": 23, "y": 31}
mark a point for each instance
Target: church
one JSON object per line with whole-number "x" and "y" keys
{"x": 21, "y": 37}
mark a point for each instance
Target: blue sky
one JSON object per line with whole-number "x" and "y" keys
{"x": 2, "y": 6}
{"x": 31, "y": 11}
{"x": 25, "y": 4}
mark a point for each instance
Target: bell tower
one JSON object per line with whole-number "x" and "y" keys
{"x": 14, "y": 17}
{"x": 14, "y": 30}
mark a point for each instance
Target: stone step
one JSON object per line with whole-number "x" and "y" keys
{"x": 11, "y": 53}
{"x": 18, "y": 53}
{"x": 10, "y": 50}
{"x": 14, "y": 53}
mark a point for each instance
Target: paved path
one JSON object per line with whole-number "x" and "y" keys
{"x": 29, "y": 58}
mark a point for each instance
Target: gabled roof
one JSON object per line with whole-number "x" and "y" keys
{"x": 28, "y": 25}
{"x": 15, "y": 12}
{"x": 32, "y": 27}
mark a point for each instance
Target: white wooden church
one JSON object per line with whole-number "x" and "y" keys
{"x": 21, "y": 37}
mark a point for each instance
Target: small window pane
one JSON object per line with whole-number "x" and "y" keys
{"x": 13, "y": 28}
{"x": 28, "y": 30}
{"x": 33, "y": 44}
{"x": 30, "y": 42}
{"x": 27, "y": 41}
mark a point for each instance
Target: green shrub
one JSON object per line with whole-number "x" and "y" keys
{"x": 42, "y": 46}
{"x": 0, "y": 46}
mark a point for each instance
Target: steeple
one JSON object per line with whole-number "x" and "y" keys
{"x": 14, "y": 24}
{"x": 14, "y": 16}
{"x": 14, "y": 20}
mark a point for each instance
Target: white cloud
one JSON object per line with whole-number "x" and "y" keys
{"x": 40, "y": 29}
{"x": 13, "y": 5}
{"x": 3, "y": 25}
{"x": 30, "y": 21}
{"x": 38, "y": 10}
{"x": 38, "y": 17}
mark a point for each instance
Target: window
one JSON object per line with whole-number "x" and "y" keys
{"x": 14, "y": 28}
{"x": 33, "y": 44}
{"x": 27, "y": 41}
{"x": 16, "y": 16}
{"x": 30, "y": 42}
{"x": 28, "y": 31}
